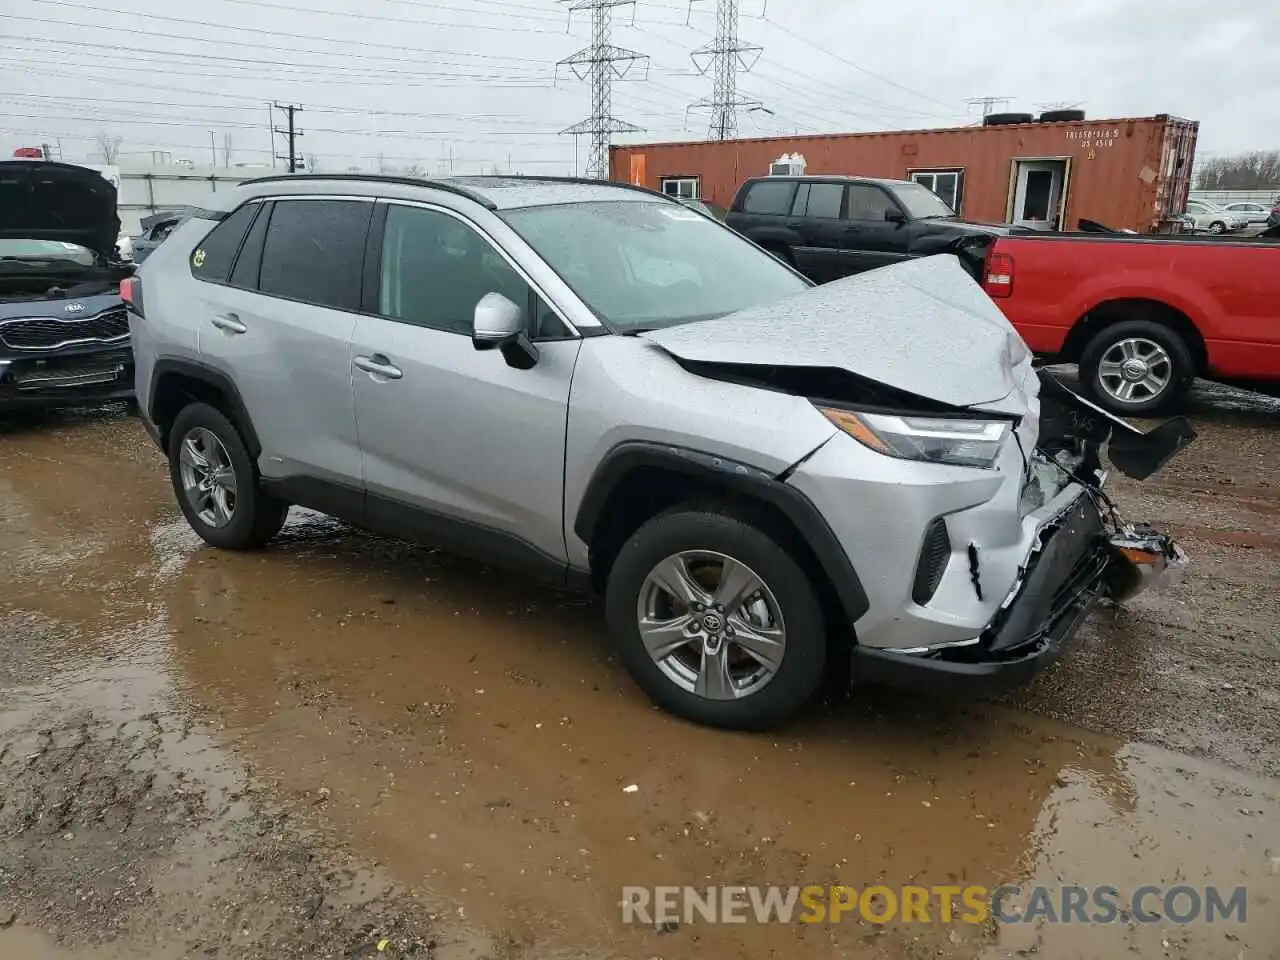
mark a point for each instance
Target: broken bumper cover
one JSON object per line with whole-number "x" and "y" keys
{"x": 1075, "y": 565}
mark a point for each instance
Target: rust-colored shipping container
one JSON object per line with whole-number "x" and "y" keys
{"x": 1130, "y": 173}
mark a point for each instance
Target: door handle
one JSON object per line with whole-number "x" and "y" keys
{"x": 229, "y": 323}
{"x": 379, "y": 366}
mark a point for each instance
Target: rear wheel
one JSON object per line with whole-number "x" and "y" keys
{"x": 216, "y": 482}
{"x": 715, "y": 621}
{"x": 1136, "y": 368}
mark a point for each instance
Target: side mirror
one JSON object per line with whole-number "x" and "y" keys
{"x": 894, "y": 215}
{"x": 500, "y": 324}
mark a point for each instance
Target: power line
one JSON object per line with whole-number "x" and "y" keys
{"x": 602, "y": 63}
{"x": 69, "y": 102}
{"x": 724, "y": 55}
{"x": 273, "y": 63}
{"x": 857, "y": 66}
{"x": 293, "y": 35}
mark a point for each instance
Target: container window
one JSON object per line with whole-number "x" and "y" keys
{"x": 681, "y": 188}
{"x": 947, "y": 183}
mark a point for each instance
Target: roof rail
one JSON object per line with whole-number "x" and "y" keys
{"x": 379, "y": 178}
{"x": 537, "y": 178}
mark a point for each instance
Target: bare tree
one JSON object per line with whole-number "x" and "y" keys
{"x": 313, "y": 162}
{"x": 1259, "y": 170}
{"x": 383, "y": 166}
{"x": 414, "y": 169}
{"x": 109, "y": 147}
{"x": 227, "y": 149}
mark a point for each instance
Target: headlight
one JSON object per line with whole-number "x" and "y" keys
{"x": 960, "y": 443}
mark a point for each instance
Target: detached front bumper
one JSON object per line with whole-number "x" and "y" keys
{"x": 1075, "y": 565}
{"x": 66, "y": 378}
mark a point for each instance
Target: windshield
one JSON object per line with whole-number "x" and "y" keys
{"x": 46, "y": 250}
{"x": 641, "y": 265}
{"x": 921, "y": 202}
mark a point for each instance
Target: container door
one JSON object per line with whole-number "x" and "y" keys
{"x": 1038, "y": 193}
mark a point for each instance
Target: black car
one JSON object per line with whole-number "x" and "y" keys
{"x": 155, "y": 229}
{"x": 832, "y": 227}
{"x": 64, "y": 333}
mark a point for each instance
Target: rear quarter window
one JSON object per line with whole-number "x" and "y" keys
{"x": 213, "y": 258}
{"x": 770, "y": 197}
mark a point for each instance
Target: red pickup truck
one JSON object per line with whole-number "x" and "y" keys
{"x": 1142, "y": 316}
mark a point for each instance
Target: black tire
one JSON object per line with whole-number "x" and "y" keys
{"x": 1180, "y": 359}
{"x": 687, "y": 528}
{"x": 1217, "y": 227}
{"x": 257, "y": 516}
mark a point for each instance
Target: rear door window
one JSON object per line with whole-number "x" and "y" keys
{"x": 314, "y": 251}
{"x": 213, "y": 258}
{"x": 824, "y": 201}
{"x": 867, "y": 202}
{"x": 770, "y": 197}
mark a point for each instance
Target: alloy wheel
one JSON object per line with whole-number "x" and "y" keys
{"x": 1135, "y": 370}
{"x": 208, "y": 477}
{"x": 711, "y": 625}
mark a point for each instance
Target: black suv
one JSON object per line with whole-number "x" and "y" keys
{"x": 830, "y": 227}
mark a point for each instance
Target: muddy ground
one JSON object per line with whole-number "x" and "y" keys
{"x": 345, "y": 743}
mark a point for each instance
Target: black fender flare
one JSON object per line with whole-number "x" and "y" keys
{"x": 202, "y": 373}
{"x": 738, "y": 477}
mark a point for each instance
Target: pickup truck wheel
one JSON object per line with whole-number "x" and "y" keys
{"x": 1136, "y": 368}
{"x": 715, "y": 621}
{"x": 216, "y": 482}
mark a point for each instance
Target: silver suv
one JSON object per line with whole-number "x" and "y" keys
{"x": 594, "y": 384}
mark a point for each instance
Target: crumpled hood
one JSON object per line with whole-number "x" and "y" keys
{"x": 922, "y": 326}
{"x": 41, "y": 200}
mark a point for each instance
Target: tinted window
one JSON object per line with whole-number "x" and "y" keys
{"x": 824, "y": 200}
{"x": 212, "y": 259}
{"x": 867, "y": 202}
{"x": 435, "y": 269}
{"x": 314, "y": 251}
{"x": 248, "y": 264}
{"x": 770, "y": 196}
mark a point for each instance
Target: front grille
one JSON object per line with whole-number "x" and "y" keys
{"x": 46, "y": 333}
{"x": 934, "y": 554}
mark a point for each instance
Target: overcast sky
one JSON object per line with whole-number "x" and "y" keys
{"x": 473, "y": 83}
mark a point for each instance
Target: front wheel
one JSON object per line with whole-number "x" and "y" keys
{"x": 216, "y": 483}
{"x": 1217, "y": 227}
{"x": 716, "y": 621}
{"x": 1136, "y": 368}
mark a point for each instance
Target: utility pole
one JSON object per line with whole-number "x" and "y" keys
{"x": 601, "y": 63}
{"x": 724, "y": 57}
{"x": 291, "y": 132}
{"x": 213, "y": 147}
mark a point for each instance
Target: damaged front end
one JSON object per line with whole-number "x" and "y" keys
{"x": 1083, "y": 553}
